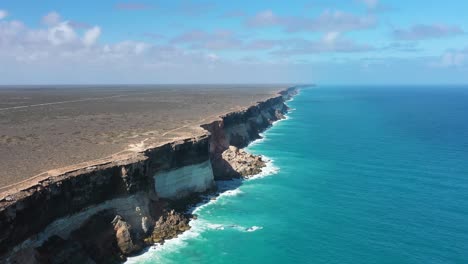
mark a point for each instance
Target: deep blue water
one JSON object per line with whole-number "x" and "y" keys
{"x": 366, "y": 175}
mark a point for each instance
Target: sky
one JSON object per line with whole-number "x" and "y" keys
{"x": 256, "y": 41}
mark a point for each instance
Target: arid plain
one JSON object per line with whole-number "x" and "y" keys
{"x": 44, "y": 128}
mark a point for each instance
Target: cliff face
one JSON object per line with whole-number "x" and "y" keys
{"x": 179, "y": 183}
{"x": 113, "y": 207}
{"x": 238, "y": 129}
{"x": 59, "y": 205}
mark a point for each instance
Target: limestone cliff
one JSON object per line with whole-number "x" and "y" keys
{"x": 240, "y": 128}
{"x": 114, "y": 209}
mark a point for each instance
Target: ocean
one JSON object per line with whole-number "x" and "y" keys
{"x": 357, "y": 175}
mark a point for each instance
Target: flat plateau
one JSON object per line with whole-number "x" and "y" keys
{"x": 48, "y": 130}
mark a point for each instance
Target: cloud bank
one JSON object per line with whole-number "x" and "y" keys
{"x": 264, "y": 46}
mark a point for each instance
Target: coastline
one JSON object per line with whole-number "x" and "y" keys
{"x": 131, "y": 166}
{"x": 225, "y": 188}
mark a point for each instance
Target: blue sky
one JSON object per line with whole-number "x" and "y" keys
{"x": 319, "y": 41}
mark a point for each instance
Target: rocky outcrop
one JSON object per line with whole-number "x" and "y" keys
{"x": 105, "y": 212}
{"x": 240, "y": 163}
{"x": 238, "y": 129}
{"x": 123, "y": 236}
{"x": 169, "y": 225}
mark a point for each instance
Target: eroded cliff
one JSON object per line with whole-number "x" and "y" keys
{"x": 114, "y": 209}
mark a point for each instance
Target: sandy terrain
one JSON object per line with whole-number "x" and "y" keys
{"x": 44, "y": 128}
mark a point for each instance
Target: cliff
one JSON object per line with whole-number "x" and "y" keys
{"x": 113, "y": 209}
{"x": 240, "y": 128}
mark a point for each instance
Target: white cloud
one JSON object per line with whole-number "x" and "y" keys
{"x": 3, "y": 14}
{"x": 453, "y": 59}
{"x": 51, "y": 19}
{"x": 331, "y": 42}
{"x": 90, "y": 37}
{"x": 9, "y": 32}
{"x": 263, "y": 19}
{"x": 127, "y": 48}
{"x": 331, "y": 37}
{"x": 63, "y": 33}
{"x": 216, "y": 40}
{"x": 335, "y": 21}
{"x": 45, "y": 54}
{"x": 141, "y": 47}
{"x": 212, "y": 57}
{"x": 61, "y": 45}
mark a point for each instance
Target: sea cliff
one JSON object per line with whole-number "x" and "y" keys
{"x": 110, "y": 210}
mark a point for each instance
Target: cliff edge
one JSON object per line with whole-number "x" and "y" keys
{"x": 113, "y": 209}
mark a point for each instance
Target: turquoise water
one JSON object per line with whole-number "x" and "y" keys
{"x": 359, "y": 175}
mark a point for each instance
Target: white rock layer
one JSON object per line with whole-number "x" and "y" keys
{"x": 178, "y": 183}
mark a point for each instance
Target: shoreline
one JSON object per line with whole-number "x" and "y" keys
{"x": 225, "y": 188}
{"x": 108, "y": 186}
{"x": 229, "y": 188}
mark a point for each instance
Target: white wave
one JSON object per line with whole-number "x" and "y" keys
{"x": 286, "y": 117}
{"x": 244, "y": 229}
{"x": 198, "y": 226}
{"x": 225, "y": 189}
{"x": 258, "y": 141}
{"x": 232, "y": 192}
{"x": 235, "y": 227}
{"x": 170, "y": 245}
{"x": 215, "y": 226}
{"x": 268, "y": 170}
{"x": 254, "y": 228}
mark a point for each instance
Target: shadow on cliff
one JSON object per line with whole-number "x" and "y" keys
{"x": 223, "y": 170}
